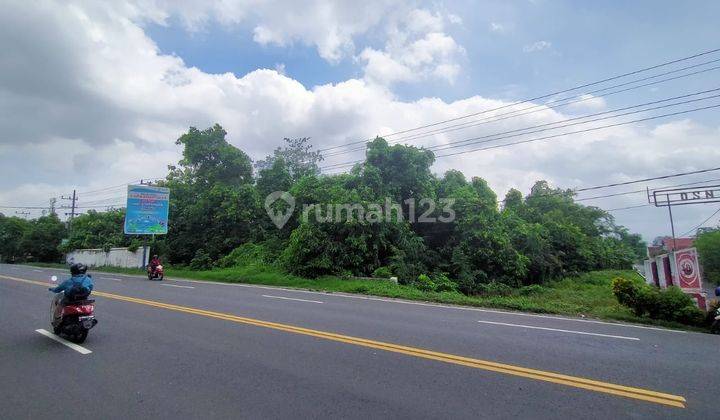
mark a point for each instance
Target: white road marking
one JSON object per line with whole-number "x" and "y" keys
{"x": 38, "y": 271}
{"x": 591, "y": 321}
{"x": 176, "y": 285}
{"x": 559, "y": 330}
{"x": 110, "y": 278}
{"x": 288, "y": 298}
{"x": 77, "y": 348}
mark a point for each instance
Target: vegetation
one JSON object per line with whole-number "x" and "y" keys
{"x": 509, "y": 253}
{"x": 708, "y": 245}
{"x": 670, "y": 304}
{"x": 33, "y": 240}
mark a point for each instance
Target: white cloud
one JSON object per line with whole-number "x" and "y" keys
{"x": 416, "y": 49}
{"x": 537, "y": 46}
{"x": 588, "y": 103}
{"x": 497, "y": 27}
{"x": 87, "y": 100}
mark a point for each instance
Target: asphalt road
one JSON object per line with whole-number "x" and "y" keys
{"x": 179, "y": 349}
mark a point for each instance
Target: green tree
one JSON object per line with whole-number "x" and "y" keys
{"x": 12, "y": 230}
{"x": 708, "y": 246}
{"x": 42, "y": 239}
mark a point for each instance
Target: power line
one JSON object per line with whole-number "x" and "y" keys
{"x": 629, "y": 207}
{"x": 340, "y": 165}
{"x": 582, "y": 131}
{"x": 541, "y": 96}
{"x": 456, "y": 144}
{"x": 701, "y": 224}
{"x": 644, "y": 191}
{"x": 539, "y": 107}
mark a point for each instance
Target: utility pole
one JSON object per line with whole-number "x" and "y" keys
{"x": 72, "y": 206}
{"x": 53, "y": 202}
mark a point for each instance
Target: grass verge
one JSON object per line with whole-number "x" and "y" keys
{"x": 587, "y": 295}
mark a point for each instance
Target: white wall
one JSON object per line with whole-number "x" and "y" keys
{"x": 116, "y": 257}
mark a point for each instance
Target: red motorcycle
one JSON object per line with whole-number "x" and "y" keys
{"x": 73, "y": 318}
{"x": 156, "y": 274}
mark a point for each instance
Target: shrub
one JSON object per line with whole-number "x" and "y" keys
{"x": 493, "y": 289}
{"x": 201, "y": 260}
{"x": 424, "y": 283}
{"x": 443, "y": 283}
{"x": 533, "y": 289}
{"x": 382, "y": 273}
{"x": 245, "y": 255}
{"x": 670, "y": 304}
{"x": 625, "y": 291}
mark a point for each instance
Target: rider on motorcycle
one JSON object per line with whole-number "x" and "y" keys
{"x": 154, "y": 262}
{"x": 78, "y": 286}
{"x": 79, "y": 280}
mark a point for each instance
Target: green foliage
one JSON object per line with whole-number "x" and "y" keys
{"x": 12, "y": 230}
{"x": 443, "y": 283}
{"x": 42, "y": 239}
{"x": 382, "y": 273}
{"x": 424, "y": 283}
{"x": 708, "y": 246}
{"x": 670, "y": 304}
{"x": 201, "y": 260}
{"x": 245, "y": 255}
{"x": 531, "y": 290}
{"x": 493, "y": 289}
{"x": 95, "y": 230}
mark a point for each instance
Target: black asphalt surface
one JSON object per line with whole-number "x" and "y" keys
{"x": 154, "y": 362}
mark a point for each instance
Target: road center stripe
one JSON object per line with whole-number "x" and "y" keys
{"x": 176, "y": 285}
{"x": 77, "y": 348}
{"x": 557, "y": 378}
{"x": 289, "y": 298}
{"x": 559, "y": 330}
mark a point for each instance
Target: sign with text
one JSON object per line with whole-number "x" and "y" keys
{"x": 147, "y": 210}
{"x": 681, "y": 196}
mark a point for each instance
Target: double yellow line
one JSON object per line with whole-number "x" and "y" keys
{"x": 573, "y": 381}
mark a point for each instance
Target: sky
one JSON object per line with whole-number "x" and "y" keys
{"x": 93, "y": 95}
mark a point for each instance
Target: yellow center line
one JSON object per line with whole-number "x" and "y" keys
{"x": 557, "y": 378}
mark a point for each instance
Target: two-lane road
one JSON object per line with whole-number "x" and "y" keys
{"x": 196, "y": 349}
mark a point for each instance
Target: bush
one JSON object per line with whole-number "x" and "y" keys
{"x": 382, "y": 273}
{"x": 424, "y": 283}
{"x": 493, "y": 289}
{"x": 443, "y": 283}
{"x": 245, "y": 255}
{"x": 201, "y": 261}
{"x": 671, "y": 304}
{"x": 533, "y": 289}
{"x": 625, "y": 291}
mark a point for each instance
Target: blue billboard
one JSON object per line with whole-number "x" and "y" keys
{"x": 147, "y": 210}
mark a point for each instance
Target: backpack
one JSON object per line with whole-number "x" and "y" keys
{"x": 78, "y": 291}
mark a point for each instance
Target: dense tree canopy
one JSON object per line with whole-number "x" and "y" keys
{"x": 340, "y": 223}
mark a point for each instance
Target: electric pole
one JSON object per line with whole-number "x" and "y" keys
{"x": 72, "y": 206}
{"x": 53, "y": 202}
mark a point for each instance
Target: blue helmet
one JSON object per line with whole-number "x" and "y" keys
{"x": 717, "y": 291}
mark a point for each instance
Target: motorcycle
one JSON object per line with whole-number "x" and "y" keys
{"x": 73, "y": 319}
{"x": 715, "y": 327}
{"x": 157, "y": 274}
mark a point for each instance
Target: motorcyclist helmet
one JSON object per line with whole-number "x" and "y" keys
{"x": 717, "y": 291}
{"x": 77, "y": 269}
